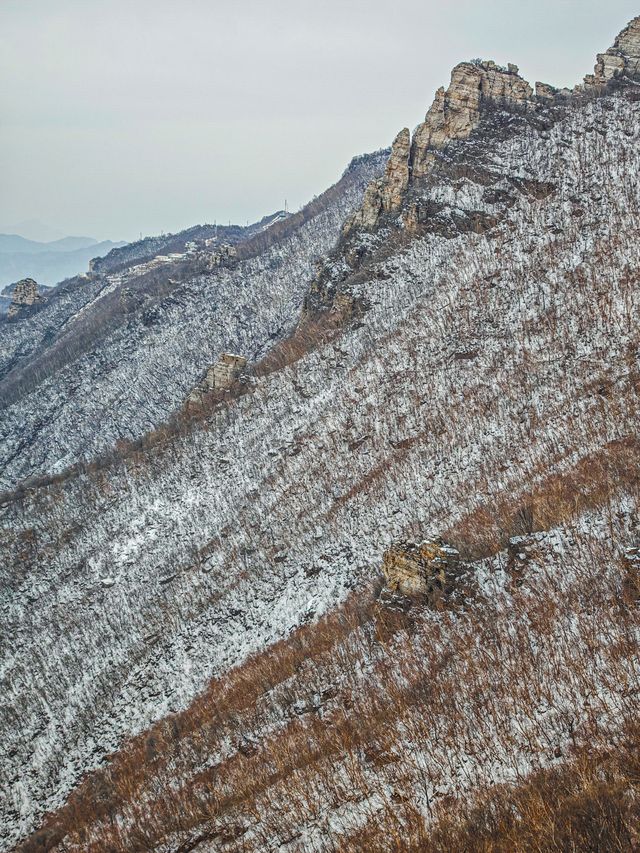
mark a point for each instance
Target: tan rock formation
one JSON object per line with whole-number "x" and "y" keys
{"x": 423, "y": 569}
{"x": 453, "y": 115}
{"x": 545, "y": 91}
{"x": 25, "y": 294}
{"x": 385, "y": 194}
{"x": 456, "y": 112}
{"x": 396, "y": 176}
{"x": 622, "y": 58}
{"x": 219, "y": 377}
{"x": 221, "y": 256}
{"x": 222, "y": 374}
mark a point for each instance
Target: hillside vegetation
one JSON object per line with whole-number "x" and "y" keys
{"x": 202, "y": 650}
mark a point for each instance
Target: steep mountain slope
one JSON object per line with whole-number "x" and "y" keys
{"x": 465, "y": 366}
{"x": 111, "y": 357}
{"x": 374, "y": 728}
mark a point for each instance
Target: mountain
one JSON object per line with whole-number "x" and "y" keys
{"x": 324, "y": 534}
{"x": 140, "y": 337}
{"x": 11, "y": 243}
{"x": 33, "y": 229}
{"x": 70, "y": 244}
{"x": 49, "y": 263}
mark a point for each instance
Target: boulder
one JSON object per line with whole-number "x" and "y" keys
{"x": 545, "y": 91}
{"x": 226, "y": 370}
{"x": 219, "y": 377}
{"x": 428, "y": 569}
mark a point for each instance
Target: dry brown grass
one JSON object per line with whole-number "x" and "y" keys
{"x": 587, "y": 804}
{"x": 559, "y": 498}
{"x": 299, "y": 729}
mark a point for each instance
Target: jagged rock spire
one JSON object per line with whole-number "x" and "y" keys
{"x": 453, "y": 115}
{"x": 622, "y": 58}
{"x": 383, "y": 195}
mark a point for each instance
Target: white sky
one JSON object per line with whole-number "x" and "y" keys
{"x": 126, "y": 116}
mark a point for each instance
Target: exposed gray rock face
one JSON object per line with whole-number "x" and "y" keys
{"x": 25, "y": 294}
{"x": 622, "y": 58}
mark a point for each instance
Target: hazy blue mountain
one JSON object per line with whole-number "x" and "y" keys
{"x": 48, "y": 263}
{"x": 70, "y": 244}
{"x": 33, "y": 229}
{"x": 11, "y": 243}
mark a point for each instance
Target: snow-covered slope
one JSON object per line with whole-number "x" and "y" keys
{"x": 108, "y": 358}
{"x": 478, "y": 338}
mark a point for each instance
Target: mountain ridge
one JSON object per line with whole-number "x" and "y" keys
{"x": 16, "y": 243}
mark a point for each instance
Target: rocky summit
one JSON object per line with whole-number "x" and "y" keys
{"x": 322, "y": 533}
{"x": 455, "y": 113}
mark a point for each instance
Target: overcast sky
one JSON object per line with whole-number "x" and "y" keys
{"x": 128, "y": 116}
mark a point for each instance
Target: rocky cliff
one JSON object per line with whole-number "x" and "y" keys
{"x": 456, "y": 112}
{"x": 25, "y": 294}
{"x": 385, "y": 194}
{"x": 477, "y": 88}
{"x": 621, "y": 60}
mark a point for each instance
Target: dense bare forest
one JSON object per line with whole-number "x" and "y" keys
{"x": 379, "y": 590}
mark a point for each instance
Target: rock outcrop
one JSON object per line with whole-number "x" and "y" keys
{"x": 623, "y": 58}
{"x": 25, "y": 294}
{"x": 385, "y": 194}
{"x": 456, "y": 112}
{"x": 220, "y": 256}
{"x": 545, "y": 91}
{"x": 631, "y": 575}
{"x": 220, "y": 376}
{"x": 426, "y": 569}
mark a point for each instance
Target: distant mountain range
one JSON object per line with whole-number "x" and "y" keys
{"x": 48, "y": 262}
{"x": 33, "y": 229}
